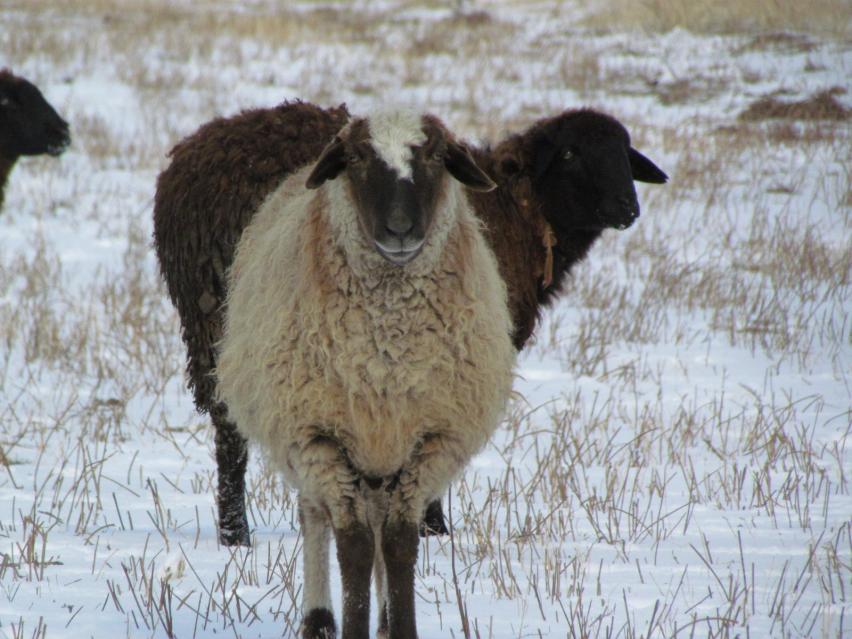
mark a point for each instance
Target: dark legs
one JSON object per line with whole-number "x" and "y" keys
{"x": 433, "y": 522}
{"x": 355, "y": 555}
{"x": 399, "y": 547}
{"x": 231, "y": 460}
{"x": 319, "y": 624}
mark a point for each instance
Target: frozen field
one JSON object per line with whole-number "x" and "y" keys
{"x": 678, "y": 457}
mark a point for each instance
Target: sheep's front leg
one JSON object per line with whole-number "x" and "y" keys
{"x": 400, "y": 539}
{"x": 355, "y": 556}
{"x": 318, "y": 622}
{"x": 331, "y": 483}
{"x": 427, "y": 475}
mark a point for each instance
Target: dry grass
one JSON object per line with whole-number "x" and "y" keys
{"x": 820, "y": 106}
{"x": 827, "y": 17}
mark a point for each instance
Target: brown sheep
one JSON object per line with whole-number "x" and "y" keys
{"x": 28, "y": 124}
{"x": 216, "y": 181}
{"x": 560, "y": 184}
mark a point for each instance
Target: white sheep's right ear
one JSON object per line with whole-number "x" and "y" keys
{"x": 331, "y": 162}
{"x": 463, "y": 167}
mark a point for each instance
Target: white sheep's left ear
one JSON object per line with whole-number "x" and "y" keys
{"x": 462, "y": 166}
{"x": 331, "y": 162}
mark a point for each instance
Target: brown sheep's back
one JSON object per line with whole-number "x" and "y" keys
{"x": 217, "y": 179}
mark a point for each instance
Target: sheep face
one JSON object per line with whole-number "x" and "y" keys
{"x": 396, "y": 165}
{"x": 582, "y": 169}
{"x": 28, "y": 124}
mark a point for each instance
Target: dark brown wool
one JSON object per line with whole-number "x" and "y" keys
{"x": 216, "y": 181}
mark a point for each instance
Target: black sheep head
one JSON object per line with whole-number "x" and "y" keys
{"x": 28, "y": 124}
{"x": 581, "y": 167}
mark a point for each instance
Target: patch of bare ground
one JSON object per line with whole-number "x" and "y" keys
{"x": 724, "y": 16}
{"x": 822, "y": 105}
{"x": 687, "y": 90}
{"x": 779, "y": 41}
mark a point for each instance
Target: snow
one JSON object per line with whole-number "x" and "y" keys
{"x": 671, "y": 465}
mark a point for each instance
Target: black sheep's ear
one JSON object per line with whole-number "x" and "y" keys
{"x": 462, "y": 166}
{"x": 644, "y": 170}
{"x": 331, "y": 162}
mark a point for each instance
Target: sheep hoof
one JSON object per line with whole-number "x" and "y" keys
{"x": 238, "y": 536}
{"x": 433, "y": 523}
{"x": 319, "y": 624}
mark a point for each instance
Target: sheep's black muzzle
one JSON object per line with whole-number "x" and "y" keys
{"x": 619, "y": 212}
{"x": 59, "y": 137}
{"x": 400, "y": 233}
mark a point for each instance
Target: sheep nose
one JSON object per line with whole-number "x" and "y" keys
{"x": 399, "y": 224}
{"x": 629, "y": 208}
{"x": 629, "y": 203}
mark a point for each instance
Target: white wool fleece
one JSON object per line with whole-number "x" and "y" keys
{"x": 324, "y": 338}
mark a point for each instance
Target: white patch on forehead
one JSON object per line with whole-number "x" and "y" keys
{"x": 392, "y": 134}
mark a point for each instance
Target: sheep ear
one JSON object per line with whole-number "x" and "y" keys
{"x": 331, "y": 162}
{"x": 644, "y": 170}
{"x": 462, "y": 166}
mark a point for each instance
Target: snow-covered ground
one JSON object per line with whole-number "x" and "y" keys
{"x": 677, "y": 460}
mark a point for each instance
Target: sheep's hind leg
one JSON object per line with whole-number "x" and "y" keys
{"x": 433, "y": 522}
{"x": 377, "y": 508}
{"x": 231, "y": 461}
{"x": 318, "y": 622}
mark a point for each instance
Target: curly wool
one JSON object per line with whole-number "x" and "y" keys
{"x": 325, "y": 339}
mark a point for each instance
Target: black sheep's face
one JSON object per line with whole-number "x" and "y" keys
{"x": 396, "y": 165}
{"x": 28, "y": 124}
{"x": 583, "y": 169}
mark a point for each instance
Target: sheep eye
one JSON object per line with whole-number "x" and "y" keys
{"x": 438, "y": 156}
{"x": 352, "y": 158}
{"x": 568, "y": 155}
{"x": 5, "y": 101}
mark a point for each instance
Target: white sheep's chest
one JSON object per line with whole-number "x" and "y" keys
{"x": 391, "y": 343}
{"x": 390, "y": 355}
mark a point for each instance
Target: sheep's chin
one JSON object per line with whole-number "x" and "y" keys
{"x": 399, "y": 257}
{"x": 56, "y": 149}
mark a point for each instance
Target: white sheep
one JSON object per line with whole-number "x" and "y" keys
{"x": 367, "y": 350}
